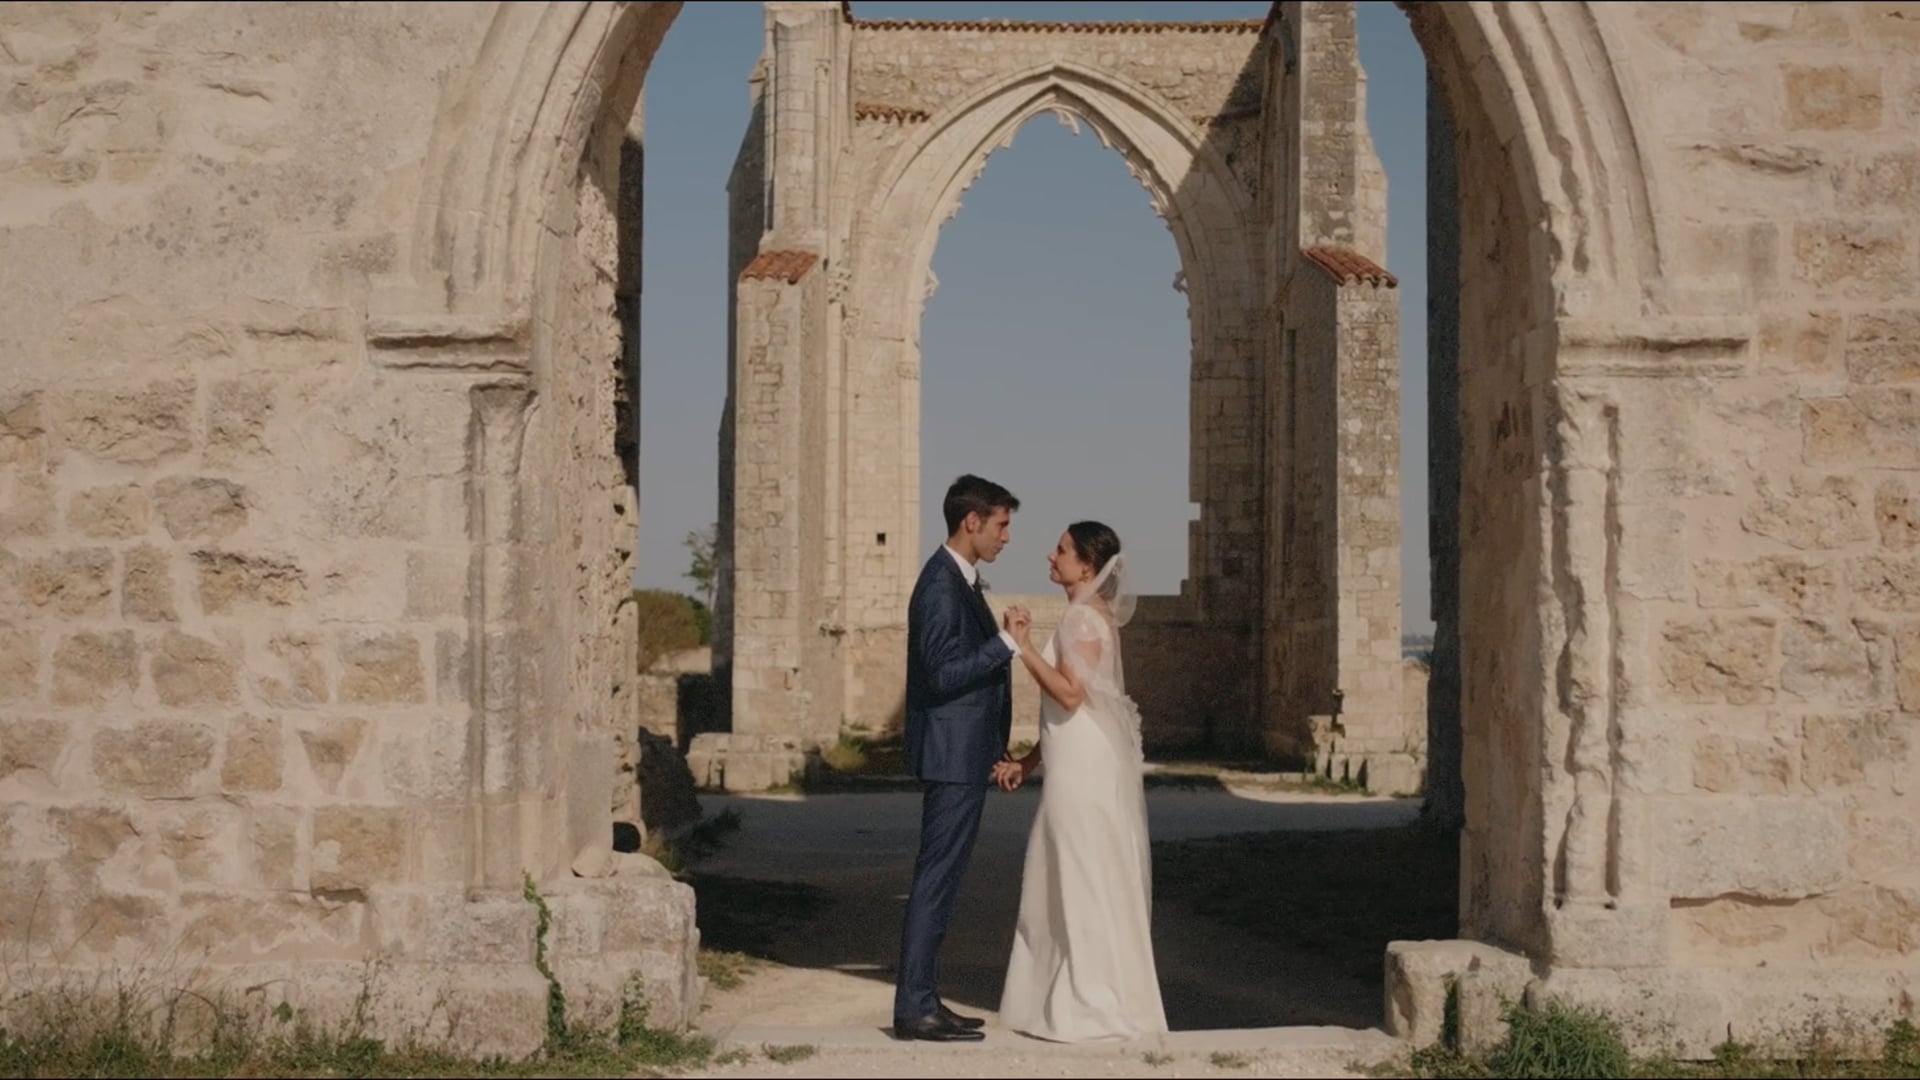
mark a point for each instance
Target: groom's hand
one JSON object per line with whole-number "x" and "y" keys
{"x": 1018, "y": 620}
{"x": 1008, "y": 774}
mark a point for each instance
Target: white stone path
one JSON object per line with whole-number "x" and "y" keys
{"x": 858, "y": 844}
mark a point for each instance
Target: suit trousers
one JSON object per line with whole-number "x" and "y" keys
{"x": 949, "y": 824}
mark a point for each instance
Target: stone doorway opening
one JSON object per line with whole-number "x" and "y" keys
{"x": 921, "y": 174}
{"x": 1554, "y": 249}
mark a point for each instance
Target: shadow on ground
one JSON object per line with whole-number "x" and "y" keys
{"x": 1266, "y": 913}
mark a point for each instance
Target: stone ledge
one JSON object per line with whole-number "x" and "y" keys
{"x": 444, "y": 969}
{"x": 489, "y": 343}
{"x": 1654, "y": 347}
{"x": 1686, "y": 1013}
{"x": 1680, "y": 1012}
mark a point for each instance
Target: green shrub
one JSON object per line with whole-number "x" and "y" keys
{"x": 1560, "y": 1043}
{"x": 702, "y": 617}
{"x": 669, "y": 622}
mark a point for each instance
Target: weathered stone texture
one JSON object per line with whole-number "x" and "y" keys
{"x": 191, "y": 671}
{"x": 298, "y": 385}
{"x": 382, "y": 669}
{"x": 165, "y": 759}
{"x": 94, "y": 668}
{"x": 229, "y": 581}
{"x": 146, "y": 586}
{"x": 109, "y": 513}
{"x": 254, "y": 756}
{"x": 201, "y": 508}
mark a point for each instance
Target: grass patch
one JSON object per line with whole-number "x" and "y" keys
{"x": 1156, "y": 1058}
{"x": 857, "y": 753}
{"x": 727, "y": 970}
{"x": 788, "y": 1055}
{"x": 1339, "y": 896}
{"x": 1222, "y": 1060}
{"x": 1561, "y": 1042}
{"x": 847, "y": 755}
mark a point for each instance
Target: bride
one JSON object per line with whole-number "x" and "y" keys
{"x": 1082, "y": 966}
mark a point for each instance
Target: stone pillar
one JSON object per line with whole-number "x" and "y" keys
{"x": 494, "y": 739}
{"x": 780, "y": 668}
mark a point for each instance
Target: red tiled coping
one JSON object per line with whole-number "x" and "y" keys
{"x": 868, "y": 110}
{"x": 788, "y": 266}
{"x": 1349, "y": 267}
{"x": 1232, "y": 26}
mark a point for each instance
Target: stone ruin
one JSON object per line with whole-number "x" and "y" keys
{"x": 317, "y": 476}
{"x": 1285, "y": 638}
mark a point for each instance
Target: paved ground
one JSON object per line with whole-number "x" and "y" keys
{"x": 844, "y": 861}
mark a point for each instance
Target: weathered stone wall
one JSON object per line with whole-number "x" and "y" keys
{"x": 1683, "y": 564}
{"x": 1332, "y": 412}
{"x": 1333, "y": 645}
{"x": 1304, "y": 613}
{"x": 241, "y": 548}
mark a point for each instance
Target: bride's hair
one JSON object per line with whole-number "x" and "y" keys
{"x": 1094, "y": 543}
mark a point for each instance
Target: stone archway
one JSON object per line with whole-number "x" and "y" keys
{"x": 1570, "y": 361}
{"x": 865, "y": 189}
{"x": 1206, "y": 208}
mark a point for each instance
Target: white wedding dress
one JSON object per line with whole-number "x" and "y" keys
{"x": 1082, "y": 966}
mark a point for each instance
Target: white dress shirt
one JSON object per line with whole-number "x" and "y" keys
{"x": 972, "y": 574}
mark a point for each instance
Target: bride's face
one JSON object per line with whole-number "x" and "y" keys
{"x": 1068, "y": 569}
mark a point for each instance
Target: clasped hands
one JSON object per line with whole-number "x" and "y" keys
{"x": 1018, "y": 621}
{"x": 1010, "y": 772}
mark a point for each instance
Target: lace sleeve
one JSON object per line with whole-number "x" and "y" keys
{"x": 1086, "y": 642}
{"x": 1089, "y": 647}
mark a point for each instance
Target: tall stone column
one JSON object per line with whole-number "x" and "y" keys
{"x": 779, "y": 663}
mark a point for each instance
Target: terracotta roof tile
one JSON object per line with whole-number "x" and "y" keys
{"x": 788, "y": 266}
{"x": 1231, "y": 26}
{"x": 870, "y": 110}
{"x": 1349, "y": 267}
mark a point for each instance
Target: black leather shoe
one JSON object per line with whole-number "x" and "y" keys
{"x": 935, "y": 1028}
{"x": 957, "y": 1020}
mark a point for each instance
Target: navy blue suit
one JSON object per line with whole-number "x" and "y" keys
{"x": 959, "y": 717}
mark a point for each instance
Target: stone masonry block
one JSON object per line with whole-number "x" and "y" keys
{"x": 1421, "y": 975}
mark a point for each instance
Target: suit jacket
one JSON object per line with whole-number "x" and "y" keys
{"x": 959, "y": 680}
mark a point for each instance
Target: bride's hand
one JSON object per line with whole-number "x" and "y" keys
{"x": 1020, "y": 625}
{"x": 1008, "y": 774}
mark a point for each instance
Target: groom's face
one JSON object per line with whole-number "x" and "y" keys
{"x": 992, "y": 535}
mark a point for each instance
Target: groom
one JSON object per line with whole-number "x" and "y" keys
{"x": 959, "y": 716}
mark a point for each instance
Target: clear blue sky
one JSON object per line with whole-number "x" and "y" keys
{"x": 1055, "y": 354}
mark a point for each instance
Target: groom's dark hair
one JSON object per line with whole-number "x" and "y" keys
{"x": 972, "y": 495}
